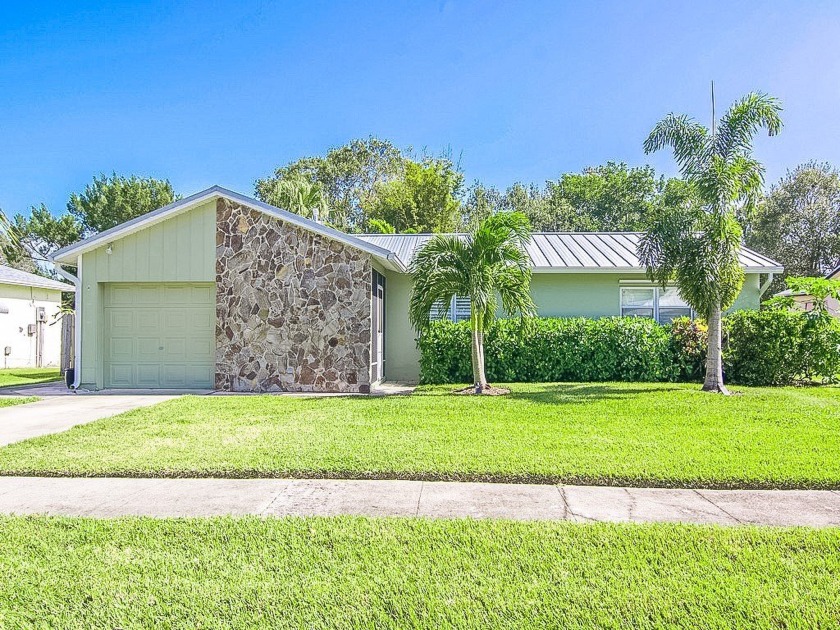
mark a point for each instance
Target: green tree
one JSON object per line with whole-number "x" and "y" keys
{"x": 109, "y": 201}
{"x": 488, "y": 262}
{"x": 28, "y": 241}
{"x": 696, "y": 245}
{"x": 105, "y": 203}
{"x": 425, "y": 198}
{"x": 609, "y": 197}
{"x": 348, "y": 177}
{"x": 531, "y": 201}
{"x": 798, "y": 223}
{"x": 479, "y": 203}
{"x": 302, "y": 196}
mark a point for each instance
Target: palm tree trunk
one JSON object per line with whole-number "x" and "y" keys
{"x": 714, "y": 356}
{"x": 479, "y": 379}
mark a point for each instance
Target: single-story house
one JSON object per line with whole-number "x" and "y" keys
{"x": 219, "y": 290}
{"x": 30, "y": 330}
{"x": 805, "y": 302}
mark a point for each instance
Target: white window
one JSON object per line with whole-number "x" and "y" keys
{"x": 456, "y": 310}
{"x": 663, "y": 305}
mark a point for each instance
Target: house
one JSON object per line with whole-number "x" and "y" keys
{"x": 805, "y": 302}
{"x": 30, "y": 334}
{"x": 219, "y": 290}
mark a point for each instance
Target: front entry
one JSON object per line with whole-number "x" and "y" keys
{"x": 377, "y": 327}
{"x": 159, "y": 335}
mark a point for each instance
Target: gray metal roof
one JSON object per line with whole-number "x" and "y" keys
{"x": 10, "y": 275}
{"x": 570, "y": 251}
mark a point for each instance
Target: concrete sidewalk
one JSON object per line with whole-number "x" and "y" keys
{"x": 112, "y": 497}
{"x": 59, "y": 413}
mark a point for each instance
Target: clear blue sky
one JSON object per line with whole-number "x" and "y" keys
{"x": 222, "y": 92}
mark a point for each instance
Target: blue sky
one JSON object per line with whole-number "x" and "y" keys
{"x": 222, "y": 92}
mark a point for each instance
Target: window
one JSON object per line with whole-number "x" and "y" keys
{"x": 456, "y": 310}
{"x": 663, "y": 305}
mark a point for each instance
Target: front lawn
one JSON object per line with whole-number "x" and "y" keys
{"x": 628, "y": 434}
{"x": 28, "y": 376}
{"x": 401, "y": 573}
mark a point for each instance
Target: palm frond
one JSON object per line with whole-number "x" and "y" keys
{"x": 440, "y": 271}
{"x": 685, "y": 136}
{"x": 739, "y": 125}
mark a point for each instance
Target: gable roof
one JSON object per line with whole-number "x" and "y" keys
{"x": 68, "y": 254}
{"x": 557, "y": 252}
{"x": 834, "y": 274}
{"x": 10, "y": 275}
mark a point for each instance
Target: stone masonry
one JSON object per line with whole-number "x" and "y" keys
{"x": 292, "y": 307}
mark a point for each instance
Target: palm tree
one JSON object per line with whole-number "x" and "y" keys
{"x": 697, "y": 245}
{"x": 302, "y": 196}
{"x": 487, "y": 264}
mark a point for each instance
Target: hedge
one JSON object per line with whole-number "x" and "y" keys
{"x": 760, "y": 348}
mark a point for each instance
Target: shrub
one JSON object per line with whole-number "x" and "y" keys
{"x": 689, "y": 342}
{"x": 780, "y": 347}
{"x": 550, "y": 349}
{"x": 775, "y": 347}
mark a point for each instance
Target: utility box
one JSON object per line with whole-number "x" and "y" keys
{"x": 30, "y": 330}
{"x": 40, "y": 314}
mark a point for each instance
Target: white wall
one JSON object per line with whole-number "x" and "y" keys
{"x": 22, "y": 303}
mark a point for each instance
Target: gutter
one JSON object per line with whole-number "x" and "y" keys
{"x": 396, "y": 262}
{"x": 77, "y": 334}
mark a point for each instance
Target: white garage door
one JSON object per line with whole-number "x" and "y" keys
{"x": 159, "y": 335}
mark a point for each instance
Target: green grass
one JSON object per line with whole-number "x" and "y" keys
{"x": 404, "y": 573}
{"x": 625, "y": 434}
{"x": 28, "y": 376}
{"x": 17, "y": 400}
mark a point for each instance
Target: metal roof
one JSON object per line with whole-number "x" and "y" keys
{"x": 10, "y": 275}
{"x": 570, "y": 251}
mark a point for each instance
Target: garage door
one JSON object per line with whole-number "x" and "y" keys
{"x": 159, "y": 335}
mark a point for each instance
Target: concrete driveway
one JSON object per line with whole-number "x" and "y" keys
{"x": 54, "y": 414}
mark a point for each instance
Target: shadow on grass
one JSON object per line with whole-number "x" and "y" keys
{"x": 555, "y": 393}
{"x": 576, "y": 393}
{"x": 33, "y": 374}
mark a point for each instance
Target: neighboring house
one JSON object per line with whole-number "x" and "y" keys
{"x": 30, "y": 329}
{"x": 222, "y": 291}
{"x": 805, "y": 302}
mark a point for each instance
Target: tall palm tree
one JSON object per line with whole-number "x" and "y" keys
{"x": 697, "y": 246}
{"x": 303, "y": 197}
{"x": 487, "y": 264}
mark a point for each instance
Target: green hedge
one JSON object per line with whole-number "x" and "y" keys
{"x": 780, "y": 347}
{"x": 760, "y": 348}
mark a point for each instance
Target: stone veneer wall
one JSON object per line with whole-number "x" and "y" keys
{"x": 292, "y": 307}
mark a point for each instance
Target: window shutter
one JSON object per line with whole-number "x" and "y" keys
{"x": 461, "y": 308}
{"x": 439, "y": 311}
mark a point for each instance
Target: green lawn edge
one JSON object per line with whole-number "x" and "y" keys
{"x": 642, "y": 435}
{"x": 326, "y": 572}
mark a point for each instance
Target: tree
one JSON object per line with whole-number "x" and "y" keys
{"x": 302, "y": 196}
{"x": 28, "y": 241}
{"x": 109, "y": 201}
{"x": 610, "y": 197}
{"x": 348, "y": 177}
{"x": 104, "y": 203}
{"x": 425, "y": 198}
{"x": 696, "y": 245}
{"x": 488, "y": 262}
{"x": 798, "y": 223}
{"x": 480, "y": 202}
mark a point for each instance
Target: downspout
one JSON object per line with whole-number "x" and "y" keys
{"x": 77, "y": 335}
{"x": 763, "y": 288}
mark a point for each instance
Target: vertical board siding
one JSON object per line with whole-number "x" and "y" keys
{"x": 180, "y": 249}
